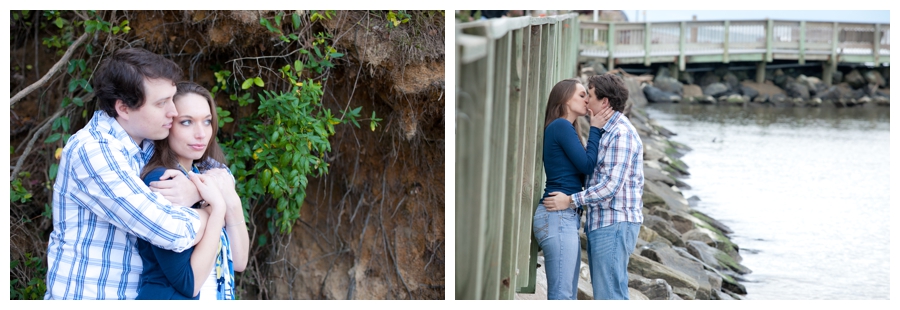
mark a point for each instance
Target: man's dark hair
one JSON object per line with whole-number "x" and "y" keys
{"x": 121, "y": 76}
{"x": 610, "y": 86}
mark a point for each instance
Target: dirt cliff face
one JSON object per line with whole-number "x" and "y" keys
{"x": 373, "y": 228}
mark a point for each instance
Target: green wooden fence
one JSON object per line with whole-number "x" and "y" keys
{"x": 505, "y": 69}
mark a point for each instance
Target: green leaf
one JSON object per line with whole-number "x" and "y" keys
{"x": 295, "y": 20}
{"x": 53, "y": 138}
{"x": 298, "y": 66}
{"x": 247, "y": 84}
{"x": 53, "y": 169}
{"x": 59, "y": 22}
{"x": 258, "y": 81}
{"x": 262, "y": 240}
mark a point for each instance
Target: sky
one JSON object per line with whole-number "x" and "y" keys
{"x": 806, "y": 15}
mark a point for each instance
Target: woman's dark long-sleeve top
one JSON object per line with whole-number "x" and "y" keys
{"x": 566, "y": 162}
{"x": 167, "y": 274}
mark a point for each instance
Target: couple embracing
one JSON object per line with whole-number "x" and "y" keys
{"x": 143, "y": 206}
{"x": 605, "y": 180}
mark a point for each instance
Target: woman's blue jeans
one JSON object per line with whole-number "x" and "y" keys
{"x": 557, "y": 234}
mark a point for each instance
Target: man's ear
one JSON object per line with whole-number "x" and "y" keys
{"x": 122, "y": 109}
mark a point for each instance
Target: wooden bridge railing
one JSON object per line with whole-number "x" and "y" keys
{"x": 505, "y": 69}
{"x": 726, "y": 41}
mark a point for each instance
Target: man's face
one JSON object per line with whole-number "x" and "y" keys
{"x": 154, "y": 118}
{"x": 594, "y": 103}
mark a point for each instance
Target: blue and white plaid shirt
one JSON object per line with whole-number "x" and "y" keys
{"x": 615, "y": 188}
{"x": 100, "y": 208}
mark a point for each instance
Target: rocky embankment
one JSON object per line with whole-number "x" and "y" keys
{"x": 790, "y": 87}
{"x": 681, "y": 253}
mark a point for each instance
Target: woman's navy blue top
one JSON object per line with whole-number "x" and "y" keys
{"x": 566, "y": 162}
{"x": 167, "y": 274}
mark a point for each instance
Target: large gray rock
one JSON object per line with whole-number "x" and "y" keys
{"x": 715, "y": 281}
{"x": 697, "y": 234}
{"x": 749, "y": 92}
{"x": 837, "y": 77}
{"x": 659, "y": 96}
{"x": 686, "y": 77}
{"x": 634, "y": 294}
{"x": 650, "y": 269}
{"x": 657, "y": 175}
{"x": 797, "y": 90}
{"x": 653, "y": 289}
{"x": 715, "y": 258}
{"x": 731, "y": 81}
{"x": 709, "y": 78}
{"x": 715, "y": 89}
{"x": 779, "y": 78}
{"x": 683, "y": 222}
{"x": 674, "y": 200}
{"x": 663, "y": 228}
{"x": 874, "y": 77}
{"x": 855, "y": 79}
{"x": 722, "y": 228}
{"x": 664, "y": 254}
{"x": 668, "y": 84}
{"x": 635, "y": 95}
{"x": 649, "y": 235}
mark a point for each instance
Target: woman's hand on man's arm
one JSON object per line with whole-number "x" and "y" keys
{"x": 176, "y": 188}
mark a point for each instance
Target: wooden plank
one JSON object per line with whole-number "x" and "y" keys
{"x": 725, "y": 42}
{"x": 647, "y": 44}
{"x": 531, "y": 133}
{"x": 802, "y": 57}
{"x": 501, "y": 174}
{"x": 611, "y": 46}
{"x": 876, "y": 50}
{"x": 770, "y": 24}
{"x": 681, "y": 43}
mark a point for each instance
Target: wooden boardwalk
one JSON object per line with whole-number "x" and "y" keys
{"x": 760, "y": 41}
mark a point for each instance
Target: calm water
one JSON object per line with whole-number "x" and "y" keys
{"x": 806, "y": 191}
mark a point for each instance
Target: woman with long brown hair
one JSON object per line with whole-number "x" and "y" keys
{"x": 205, "y": 271}
{"x": 566, "y": 162}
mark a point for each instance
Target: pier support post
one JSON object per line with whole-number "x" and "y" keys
{"x": 761, "y": 72}
{"x": 828, "y": 69}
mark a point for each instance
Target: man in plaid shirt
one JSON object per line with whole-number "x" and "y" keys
{"x": 100, "y": 204}
{"x": 613, "y": 195}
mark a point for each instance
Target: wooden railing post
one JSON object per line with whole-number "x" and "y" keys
{"x": 876, "y": 50}
{"x": 802, "y": 57}
{"x": 726, "y": 41}
{"x": 611, "y": 45}
{"x": 770, "y": 38}
{"x": 647, "y": 44}
{"x": 681, "y": 43}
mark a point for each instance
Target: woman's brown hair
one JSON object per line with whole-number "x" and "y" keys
{"x": 556, "y": 103}
{"x": 165, "y": 157}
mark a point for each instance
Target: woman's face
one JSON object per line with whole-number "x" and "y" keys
{"x": 577, "y": 105}
{"x": 192, "y": 128}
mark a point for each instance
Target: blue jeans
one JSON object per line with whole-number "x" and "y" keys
{"x": 557, "y": 234}
{"x": 608, "y": 251}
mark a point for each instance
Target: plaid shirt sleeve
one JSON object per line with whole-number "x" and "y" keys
{"x": 117, "y": 195}
{"x": 611, "y": 174}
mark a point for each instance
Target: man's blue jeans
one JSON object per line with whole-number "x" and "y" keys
{"x": 557, "y": 234}
{"x": 608, "y": 251}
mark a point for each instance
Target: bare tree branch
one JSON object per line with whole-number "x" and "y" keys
{"x": 59, "y": 64}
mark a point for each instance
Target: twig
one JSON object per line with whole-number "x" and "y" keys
{"x": 34, "y": 138}
{"x": 393, "y": 258}
{"x": 59, "y": 64}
